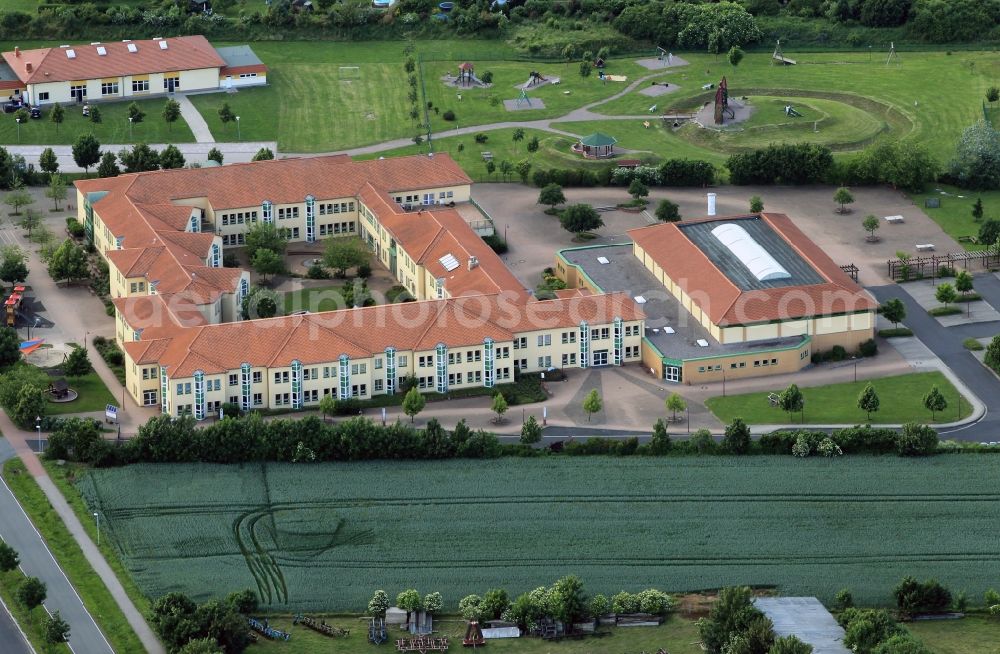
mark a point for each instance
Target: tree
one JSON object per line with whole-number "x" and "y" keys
{"x": 791, "y": 400}
{"x": 568, "y": 602}
{"x": 470, "y": 607}
{"x": 77, "y": 363}
{"x": 56, "y": 190}
{"x": 992, "y": 94}
{"x": 506, "y": 169}
{"x": 171, "y": 112}
{"x": 894, "y": 311}
{"x": 945, "y": 294}
{"x": 756, "y": 204}
{"x": 992, "y": 354}
{"x": 736, "y": 439}
{"x": 31, "y": 593}
{"x": 578, "y": 218}
{"x": 976, "y": 164}
{"x": 171, "y": 157}
{"x": 977, "y": 211}
{"x": 638, "y": 189}
{"x": 267, "y": 262}
{"x": 341, "y": 254}
{"x": 934, "y": 401}
{"x": 674, "y": 404}
{"x": 68, "y": 261}
{"x": 790, "y": 645}
{"x": 494, "y": 603}
{"x": 586, "y": 68}
{"x": 86, "y": 151}
{"x": 533, "y": 144}
{"x": 989, "y": 232}
{"x": 140, "y": 158}
{"x": 266, "y": 236}
{"x": 56, "y": 629}
{"x": 413, "y": 403}
{"x": 16, "y": 199}
{"x": 963, "y": 283}
{"x": 172, "y": 616}
{"x": 264, "y": 154}
{"x": 135, "y": 114}
{"x": 871, "y": 225}
{"x": 32, "y": 220}
{"x": 13, "y": 264}
{"x": 517, "y": 137}
{"x": 215, "y": 155}
{"x": 95, "y": 115}
{"x": 531, "y": 431}
{"x": 868, "y": 400}
{"x": 523, "y": 168}
{"x": 328, "y": 405}
{"x": 491, "y": 167}
{"x": 379, "y": 603}
{"x": 410, "y": 601}
{"x": 433, "y": 602}
{"x": 108, "y": 166}
{"x": 552, "y": 195}
{"x": 736, "y": 55}
{"x": 667, "y": 211}
{"x": 844, "y": 599}
{"x": 48, "y": 161}
{"x": 260, "y": 302}
{"x": 226, "y": 114}
{"x": 10, "y": 347}
{"x": 57, "y": 114}
{"x": 200, "y": 646}
{"x": 9, "y": 558}
{"x": 843, "y": 197}
{"x": 592, "y": 403}
{"x": 243, "y": 601}
{"x": 499, "y": 406}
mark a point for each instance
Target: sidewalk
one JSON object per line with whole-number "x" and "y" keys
{"x": 93, "y": 642}
{"x": 202, "y": 134}
{"x": 193, "y": 152}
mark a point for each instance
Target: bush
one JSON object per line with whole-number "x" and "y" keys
{"x": 913, "y": 597}
{"x": 799, "y": 163}
{"x": 481, "y": 138}
{"x": 868, "y": 348}
{"x": 316, "y": 271}
{"x": 564, "y": 177}
{"x": 496, "y": 243}
{"x": 75, "y": 228}
{"x": 449, "y": 115}
{"x": 687, "y": 172}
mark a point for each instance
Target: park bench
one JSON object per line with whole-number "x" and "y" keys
{"x": 487, "y": 156}
{"x": 261, "y": 627}
{"x": 320, "y": 626}
{"x": 773, "y": 399}
{"x": 925, "y": 247}
{"x": 895, "y": 220}
{"x": 422, "y": 644}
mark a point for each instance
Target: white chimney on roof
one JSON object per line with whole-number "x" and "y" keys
{"x": 711, "y": 204}
{"x": 473, "y": 262}
{"x": 17, "y": 51}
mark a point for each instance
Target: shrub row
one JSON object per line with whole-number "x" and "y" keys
{"x": 913, "y": 440}
{"x": 798, "y": 163}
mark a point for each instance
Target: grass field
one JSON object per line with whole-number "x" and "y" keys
{"x": 113, "y": 128}
{"x": 955, "y": 213}
{"x": 94, "y": 396}
{"x": 901, "y": 401}
{"x": 321, "y": 298}
{"x": 92, "y": 590}
{"x": 462, "y": 526}
{"x": 973, "y": 635}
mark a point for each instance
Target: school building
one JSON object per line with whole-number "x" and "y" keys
{"x": 728, "y": 297}
{"x": 178, "y": 315}
{"x": 127, "y": 69}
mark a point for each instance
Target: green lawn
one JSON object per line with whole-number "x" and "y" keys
{"x": 94, "y": 396}
{"x": 677, "y": 635}
{"x": 92, "y": 590}
{"x": 901, "y": 401}
{"x": 31, "y": 622}
{"x": 113, "y": 128}
{"x": 322, "y": 298}
{"x": 972, "y": 635}
{"x": 955, "y": 213}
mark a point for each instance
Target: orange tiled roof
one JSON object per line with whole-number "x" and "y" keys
{"x": 53, "y": 64}
{"x": 726, "y": 305}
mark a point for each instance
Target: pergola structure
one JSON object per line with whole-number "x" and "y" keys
{"x": 596, "y": 146}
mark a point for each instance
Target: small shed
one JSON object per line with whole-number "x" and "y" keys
{"x": 395, "y": 615}
{"x": 596, "y": 146}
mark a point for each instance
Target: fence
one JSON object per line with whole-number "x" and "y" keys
{"x": 902, "y": 270}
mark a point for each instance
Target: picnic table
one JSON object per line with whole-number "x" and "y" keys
{"x": 487, "y": 156}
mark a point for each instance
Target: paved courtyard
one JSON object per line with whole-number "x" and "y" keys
{"x": 806, "y": 618}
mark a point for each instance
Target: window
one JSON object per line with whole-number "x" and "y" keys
{"x": 148, "y": 397}
{"x": 803, "y": 354}
{"x": 43, "y": 96}
{"x": 426, "y": 361}
{"x": 140, "y": 86}
{"x": 521, "y": 364}
{"x": 521, "y": 342}
{"x": 311, "y": 396}
{"x": 359, "y": 390}
{"x": 281, "y": 399}
{"x": 247, "y": 75}
{"x": 774, "y": 362}
{"x": 631, "y": 351}
{"x": 258, "y": 399}
{"x": 258, "y": 377}
{"x": 474, "y": 377}
{"x": 454, "y": 357}
{"x": 568, "y": 337}
{"x": 281, "y": 377}
{"x": 359, "y": 368}
{"x": 287, "y": 213}
{"x": 171, "y": 83}
{"x": 378, "y": 385}
{"x": 503, "y": 373}
{"x": 109, "y": 88}
{"x": 215, "y": 384}
{"x": 234, "y": 399}
{"x": 544, "y": 362}
{"x": 78, "y": 91}
{"x": 401, "y": 361}
{"x": 732, "y": 366}
{"x": 544, "y": 339}
{"x": 455, "y": 378}
{"x": 569, "y": 359}
{"x": 473, "y": 355}
{"x": 503, "y": 352}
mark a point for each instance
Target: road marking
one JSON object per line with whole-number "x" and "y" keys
{"x": 58, "y": 567}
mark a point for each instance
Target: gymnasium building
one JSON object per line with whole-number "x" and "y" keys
{"x": 728, "y": 297}
{"x": 177, "y": 310}
{"x": 126, "y": 69}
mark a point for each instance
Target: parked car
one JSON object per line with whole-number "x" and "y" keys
{"x": 35, "y": 112}
{"x": 11, "y": 106}
{"x": 86, "y": 110}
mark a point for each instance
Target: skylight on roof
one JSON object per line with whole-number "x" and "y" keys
{"x": 71, "y": 54}
{"x": 449, "y": 262}
{"x": 132, "y": 47}
{"x": 101, "y": 50}
{"x": 750, "y": 253}
{"x": 163, "y": 45}
{"x": 603, "y": 261}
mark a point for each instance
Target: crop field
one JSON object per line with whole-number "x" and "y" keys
{"x": 323, "y": 537}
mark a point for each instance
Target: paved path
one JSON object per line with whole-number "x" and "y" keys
{"x": 37, "y": 561}
{"x": 18, "y": 440}
{"x": 202, "y": 134}
{"x": 193, "y": 152}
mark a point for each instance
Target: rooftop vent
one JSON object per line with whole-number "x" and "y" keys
{"x": 126, "y": 40}
{"x": 64, "y": 46}
{"x": 603, "y": 261}
{"x": 101, "y": 50}
{"x": 163, "y": 45}
{"x": 449, "y": 262}
{"x": 473, "y": 262}
{"x": 95, "y": 43}
{"x": 750, "y": 253}
{"x": 71, "y": 54}
{"x": 28, "y": 66}
{"x": 132, "y": 47}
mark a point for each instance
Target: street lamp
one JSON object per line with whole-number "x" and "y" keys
{"x": 37, "y": 320}
{"x": 238, "y": 128}
{"x": 38, "y": 426}
{"x": 98, "y": 516}
{"x": 130, "y": 128}
{"x": 18, "y": 119}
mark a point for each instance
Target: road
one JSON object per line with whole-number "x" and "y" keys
{"x": 13, "y": 639}
{"x": 37, "y": 561}
{"x": 946, "y": 344}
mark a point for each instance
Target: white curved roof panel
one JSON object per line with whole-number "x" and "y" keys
{"x": 750, "y": 253}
